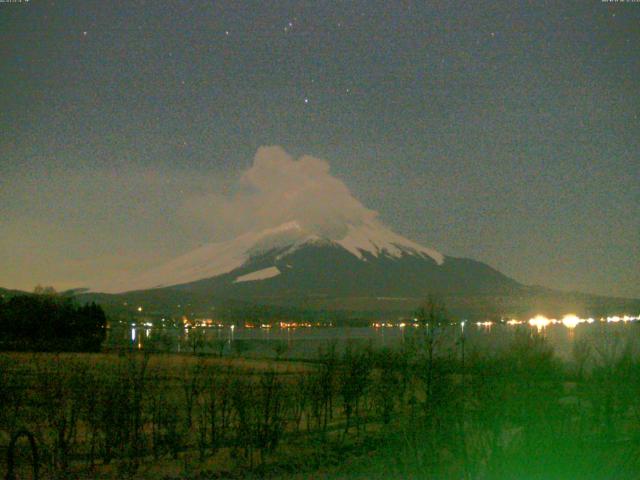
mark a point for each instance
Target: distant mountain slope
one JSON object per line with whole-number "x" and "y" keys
{"x": 370, "y": 240}
{"x": 287, "y": 260}
{"x": 8, "y": 293}
{"x": 365, "y": 268}
{"x": 322, "y": 268}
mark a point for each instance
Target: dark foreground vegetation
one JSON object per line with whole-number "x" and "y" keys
{"x": 416, "y": 412}
{"x": 46, "y": 321}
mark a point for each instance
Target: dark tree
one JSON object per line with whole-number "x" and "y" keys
{"x": 50, "y": 322}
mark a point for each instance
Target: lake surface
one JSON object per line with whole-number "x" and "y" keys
{"x": 607, "y": 338}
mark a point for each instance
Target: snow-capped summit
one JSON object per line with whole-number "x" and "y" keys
{"x": 370, "y": 238}
{"x": 375, "y": 238}
{"x": 355, "y": 264}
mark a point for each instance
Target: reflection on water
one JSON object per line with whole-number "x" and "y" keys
{"x": 290, "y": 342}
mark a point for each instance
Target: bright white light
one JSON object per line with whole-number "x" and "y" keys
{"x": 133, "y": 334}
{"x": 571, "y": 321}
{"x": 486, "y": 325}
{"x": 539, "y": 321}
{"x": 139, "y": 309}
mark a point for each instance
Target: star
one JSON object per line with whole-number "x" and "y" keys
{"x": 85, "y": 33}
{"x": 306, "y": 100}
{"x": 226, "y": 32}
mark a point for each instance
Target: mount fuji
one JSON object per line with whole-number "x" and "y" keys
{"x": 355, "y": 267}
{"x": 363, "y": 267}
{"x": 271, "y": 253}
{"x": 310, "y": 245}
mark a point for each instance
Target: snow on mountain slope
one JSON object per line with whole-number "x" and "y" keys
{"x": 216, "y": 259}
{"x": 263, "y": 274}
{"x": 213, "y": 259}
{"x": 375, "y": 238}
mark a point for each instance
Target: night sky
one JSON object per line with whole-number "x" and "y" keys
{"x": 508, "y": 132}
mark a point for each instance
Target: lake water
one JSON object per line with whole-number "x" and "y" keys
{"x": 305, "y": 342}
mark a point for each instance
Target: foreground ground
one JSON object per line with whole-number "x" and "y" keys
{"x": 411, "y": 413}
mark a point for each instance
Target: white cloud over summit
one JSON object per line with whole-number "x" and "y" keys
{"x": 277, "y": 189}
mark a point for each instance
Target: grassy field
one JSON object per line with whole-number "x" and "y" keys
{"x": 362, "y": 414}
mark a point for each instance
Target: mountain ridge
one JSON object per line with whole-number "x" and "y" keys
{"x": 365, "y": 268}
{"x": 214, "y": 259}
